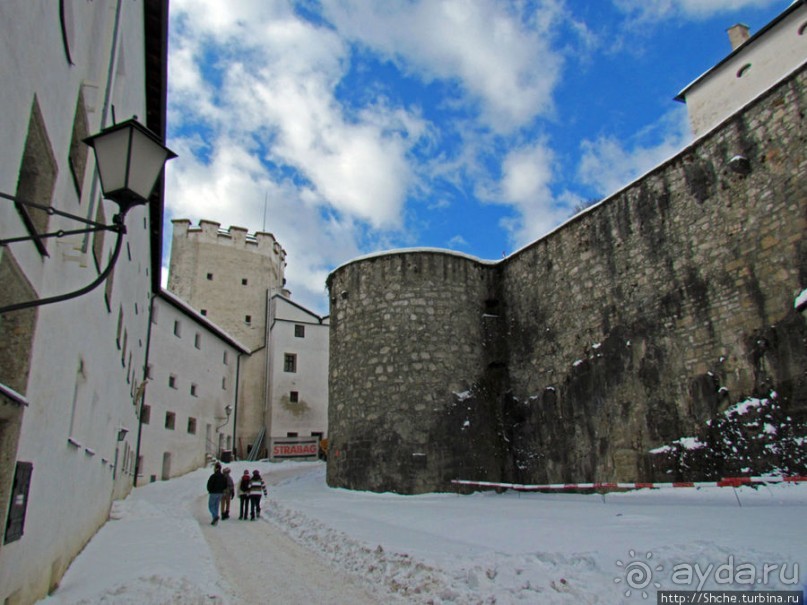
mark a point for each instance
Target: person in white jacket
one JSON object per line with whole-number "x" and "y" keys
{"x": 257, "y": 488}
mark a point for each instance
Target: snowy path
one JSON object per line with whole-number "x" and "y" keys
{"x": 263, "y": 565}
{"x": 338, "y": 546}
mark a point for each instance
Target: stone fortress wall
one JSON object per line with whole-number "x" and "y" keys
{"x": 631, "y": 326}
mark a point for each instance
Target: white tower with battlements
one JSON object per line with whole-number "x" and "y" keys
{"x": 229, "y": 275}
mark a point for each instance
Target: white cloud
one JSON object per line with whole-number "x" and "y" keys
{"x": 233, "y": 189}
{"x": 457, "y": 242}
{"x": 254, "y": 85}
{"x": 527, "y": 173}
{"x": 499, "y": 53}
{"x": 278, "y": 87}
{"x": 653, "y": 10}
{"x": 608, "y": 164}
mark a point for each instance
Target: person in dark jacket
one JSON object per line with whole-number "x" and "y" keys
{"x": 243, "y": 494}
{"x": 216, "y": 485}
{"x": 257, "y": 488}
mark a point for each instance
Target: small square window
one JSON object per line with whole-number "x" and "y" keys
{"x": 244, "y": 281}
{"x": 299, "y": 330}
{"x": 248, "y": 319}
{"x": 209, "y": 277}
{"x": 203, "y": 312}
{"x": 290, "y": 362}
{"x": 192, "y": 426}
{"x": 294, "y": 397}
{"x": 291, "y": 434}
{"x": 170, "y": 420}
{"x": 145, "y": 414}
{"x": 193, "y": 390}
{"x": 172, "y": 381}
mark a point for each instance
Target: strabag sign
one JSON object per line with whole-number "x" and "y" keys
{"x": 295, "y": 449}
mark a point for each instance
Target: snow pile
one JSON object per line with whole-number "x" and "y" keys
{"x": 745, "y": 406}
{"x": 686, "y": 443}
{"x": 801, "y": 300}
{"x": 480, "y": 579}
{"x": 751, "y": 437}
{"x": 527, "y": 548}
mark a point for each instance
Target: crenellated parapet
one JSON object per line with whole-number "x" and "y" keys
{"x": 260, "y": 242}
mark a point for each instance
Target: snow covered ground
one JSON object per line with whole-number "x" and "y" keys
{"x": 446, "y": 548}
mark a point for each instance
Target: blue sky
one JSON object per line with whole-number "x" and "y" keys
{"x": 475, "y": 125}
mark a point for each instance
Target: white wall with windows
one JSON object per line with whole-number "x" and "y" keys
{"x": 298, "y": 374}
{"x": 66, "y": 68}
{"x": 750, "y": 69}
{"x": 193, "y": 368}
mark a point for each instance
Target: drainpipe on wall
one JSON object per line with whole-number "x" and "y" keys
{"x": 267, "y": 404}
{"x": 235, "y": 403}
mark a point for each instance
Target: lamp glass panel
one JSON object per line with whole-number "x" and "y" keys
{"x": 110, "y": 154}
{"x": 147, "y": 161}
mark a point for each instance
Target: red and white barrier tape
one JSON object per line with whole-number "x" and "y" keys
{"x": 725, "y": 482}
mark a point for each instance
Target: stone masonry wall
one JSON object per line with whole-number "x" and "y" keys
{"x": 406, "y": 338}
{"x": 637, "y": 323}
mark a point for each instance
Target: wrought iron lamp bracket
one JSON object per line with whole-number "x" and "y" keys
{"x": 93, "y": 226}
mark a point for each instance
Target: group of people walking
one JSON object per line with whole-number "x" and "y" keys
{"x": 221, "y": 490}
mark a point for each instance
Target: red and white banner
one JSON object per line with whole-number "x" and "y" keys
{"x": 725, "y": 482}
{"x": 308, "y": 448}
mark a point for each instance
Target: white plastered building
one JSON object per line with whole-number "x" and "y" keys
{"x": 189, "y": 409}
{"x": 236, "y": 280}
{"x": 70, "y": 371}
{"x": 297, "y": 411}
{"x": 755, "y": 64}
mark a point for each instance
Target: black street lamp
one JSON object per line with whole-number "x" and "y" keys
{"x": 129, "y": 158}
{"x": 228, "y": 409}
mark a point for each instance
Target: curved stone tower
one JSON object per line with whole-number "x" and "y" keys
{"x": 412, "y": 346}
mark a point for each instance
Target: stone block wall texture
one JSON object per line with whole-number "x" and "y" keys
{"x": 405, "y": 335}
{"x": 631, "y": 326}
